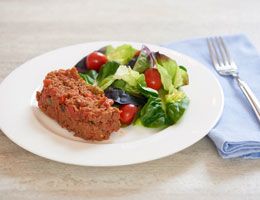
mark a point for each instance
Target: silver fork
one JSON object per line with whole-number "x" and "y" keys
{"x": 225, "y": 66}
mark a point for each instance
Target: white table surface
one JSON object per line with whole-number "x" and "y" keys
{"x": 29, "y": 28}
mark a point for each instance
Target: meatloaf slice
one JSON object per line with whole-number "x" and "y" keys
{"x": 77, "y": 106}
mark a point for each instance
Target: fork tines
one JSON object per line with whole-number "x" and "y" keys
{"x": 218, "y": 52}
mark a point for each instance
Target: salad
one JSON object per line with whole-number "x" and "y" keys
{"x": 144, "y": 85}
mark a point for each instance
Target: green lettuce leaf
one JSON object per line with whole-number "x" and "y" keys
{"x": 176, "y": 104}
{"x": 106, "y": 82}
{"x": 137, "y": 89}
{"x": 109, "y": 49}
{"x": 142, "y": 63}
{"x": 129, "y": 76}
{"x": 178, "y": 74}
{"x": 169, "y": 64}
{"x": 181, "y": 77}
{"x": 121, "y": 84}
{"x": 144, "y": 60}
{"x": 122, "y": 54}
{"x": 166, "y": 78}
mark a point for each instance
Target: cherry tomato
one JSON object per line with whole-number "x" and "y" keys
{"x": 137, "y": 53}
{"x": 128, "y": 112}
{"x": 153, "y": 78}
{"x": 95, "y": 60}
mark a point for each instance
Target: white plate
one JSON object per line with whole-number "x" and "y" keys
{"x": 25, "y": 125}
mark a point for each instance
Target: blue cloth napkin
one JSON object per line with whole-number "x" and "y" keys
{"x": 237, "y": 134}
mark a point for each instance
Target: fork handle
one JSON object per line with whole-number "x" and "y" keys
{"x": 250, "y": 97}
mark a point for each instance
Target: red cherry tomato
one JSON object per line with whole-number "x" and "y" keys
{"x": 95, "y": 60}
{"x": 153, "y": 78}
{"x": 128, "y": 112}
{"x": 137, "y": 53}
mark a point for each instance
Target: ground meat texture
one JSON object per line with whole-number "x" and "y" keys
{"x": 77, "y": 106}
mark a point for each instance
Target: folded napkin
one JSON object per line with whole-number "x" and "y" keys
{"x": 237, "y": 134}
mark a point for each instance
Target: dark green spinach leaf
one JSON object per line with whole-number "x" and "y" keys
{"x": 176, "y": 109}
{"x": 146, "y": 91}
{"x": 107, "y": 69}
{"x": 90, "y": 76}
{"x": 152, "y": 114}
{"x": 143, "y": 89}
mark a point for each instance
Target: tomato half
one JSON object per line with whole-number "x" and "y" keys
{"x": 95, "y": 60}
{"x": 153, "y": 78}
{"x": 128, "y": 112}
